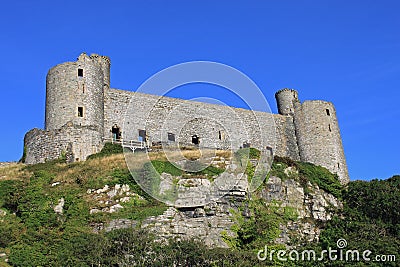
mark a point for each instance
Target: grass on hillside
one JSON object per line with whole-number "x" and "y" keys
{"x": 36, "y": 236}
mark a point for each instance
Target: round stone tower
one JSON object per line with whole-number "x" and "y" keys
{"x": 318, "y": 137}
{"x": 75, "y": 92}
{"x": 104, "y": 63}
{"x": 286, "y": 99}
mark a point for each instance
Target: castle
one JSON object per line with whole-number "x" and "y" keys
{"x": 83, "y": 112}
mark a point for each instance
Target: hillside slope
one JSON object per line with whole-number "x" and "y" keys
{"x": 94, "y": 214}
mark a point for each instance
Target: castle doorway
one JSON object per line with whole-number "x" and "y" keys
{"x": 116, "y": 133}
{"x": 195, "y": 139}
{"x": 142, "y": 135}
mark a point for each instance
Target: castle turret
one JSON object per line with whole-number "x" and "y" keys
{"x": 104, "y": 63}
{"x": 75, "y": 92}
{"x": 318, "y": 137}
{"x": 286, "y": 99}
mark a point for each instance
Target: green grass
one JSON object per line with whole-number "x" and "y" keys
{"x": 307, "y": 172}
{"x": 33, "y": 235}
{"x": 108, "y": 149}
{"x": 167, "y": 167}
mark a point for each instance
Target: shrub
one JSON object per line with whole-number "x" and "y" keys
{"x": 11, "y": 230}
{"x": 11, "y": 192}
{"x": 320, "y": 176}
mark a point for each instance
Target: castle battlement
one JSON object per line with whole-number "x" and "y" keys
{"x": 82, "y": 112}
{"x": 286, "y": 90}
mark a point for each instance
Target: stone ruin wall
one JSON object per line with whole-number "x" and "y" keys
{"x": 210, "y": 120}
{"x": 319, "y": 136}
{"x": 65, "y": 91}
{"x": 76, "y": 142}
{"x": 302, "y": 131}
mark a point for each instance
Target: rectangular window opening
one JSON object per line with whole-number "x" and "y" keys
{"x": 195, "y": 140}
{"x": 328, "y": 112}
{"x": 80, "y": 72}
{"x": 171, "y": 137}
{"x": 80, "y": 112}
{"x": 246, "y": 144}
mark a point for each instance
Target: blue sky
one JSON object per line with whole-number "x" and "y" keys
{"x": 347, "y": 52}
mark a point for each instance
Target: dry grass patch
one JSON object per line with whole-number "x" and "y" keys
{"x": 83, "y": 171}
{"x": 190, "y": 154}
{"x": 226, "y": 154}
{"x": 14, "y": 171}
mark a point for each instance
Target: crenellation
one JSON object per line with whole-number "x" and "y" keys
{"x": 82, "y": 112}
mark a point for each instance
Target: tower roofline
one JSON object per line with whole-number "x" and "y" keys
{"x": 285, "y": 90}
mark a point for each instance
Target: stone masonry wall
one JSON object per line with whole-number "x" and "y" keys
{"x": 160, "y": 116}
{"x": 319, "y": 138}
{"x": 66, "y": 91}
{"x": 306, "y": 132}
{"x": 77, "y": 142}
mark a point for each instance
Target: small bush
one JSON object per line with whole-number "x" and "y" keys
{"x": 285, "y": 160}
{"x": 10, "y": 194}
{"x": 23, "y": 158}
{"x": 320, "y": 176}
{"x": 11, "y": 230}
{"x": 254, "y": 153}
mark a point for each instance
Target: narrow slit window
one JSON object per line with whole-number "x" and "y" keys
{"x": 80, "y": 112}
{"x": 221, "y": 135}
{"x": 328, "y": 112}
{"x": 329, "y": 126}
{"x": 80, "y": 72}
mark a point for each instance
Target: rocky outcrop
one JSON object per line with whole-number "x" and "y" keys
{"x": 215, "y": 218}
{"x": 109, "y": 199}
{"x": 60, "y": 206}
{"x": 206, "y": 223}
{"x": 314, "y": 208}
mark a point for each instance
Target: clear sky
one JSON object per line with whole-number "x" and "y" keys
{"x": 347, "y": 52}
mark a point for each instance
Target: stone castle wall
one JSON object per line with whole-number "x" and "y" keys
{"x": 319, "y": 137}
{"x": 75, "y": 142}
{"x": 82, "y": 112}
{"x": 66, "y": 91}
{"x": 215, "y": 125}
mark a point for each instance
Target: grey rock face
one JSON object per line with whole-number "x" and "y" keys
{"x": 313, "y": 209}
{"x": 210, "y": 222}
